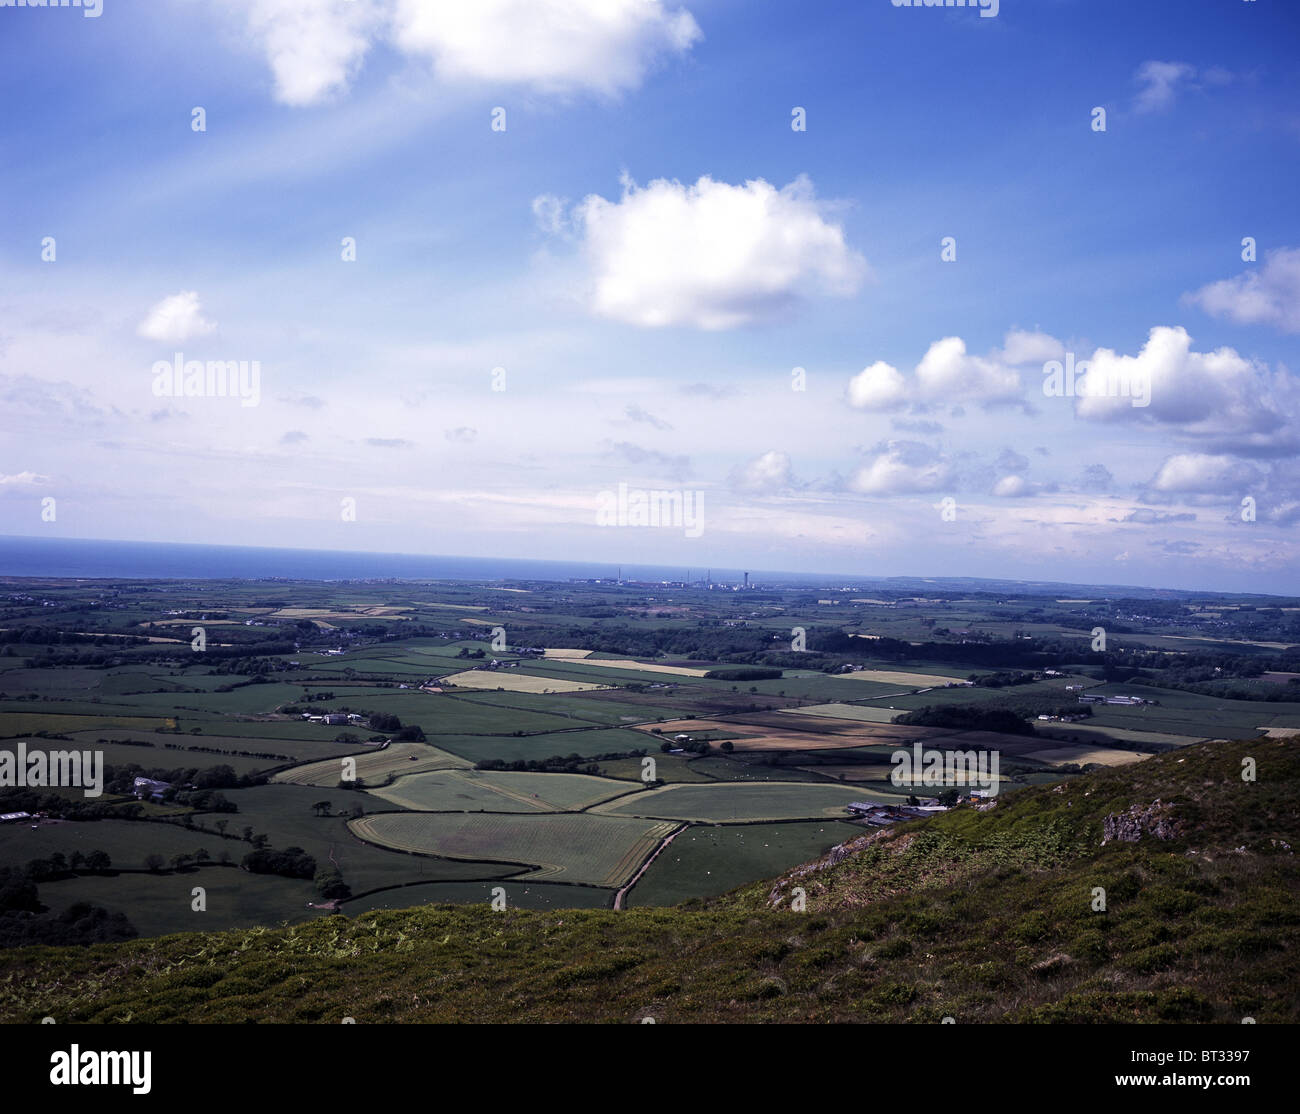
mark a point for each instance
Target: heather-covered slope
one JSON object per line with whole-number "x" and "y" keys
{"x": 979, "y": 916}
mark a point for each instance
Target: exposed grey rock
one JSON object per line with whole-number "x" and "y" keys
{"x": 1155, "y": 819}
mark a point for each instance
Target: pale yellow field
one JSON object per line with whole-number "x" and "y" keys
{"x": 479, "y": 622}
{"x": 1082, "y": 755}
{"x": 619, "y": 663}
{"x": 512, "y": 681}
{"x": 888, "y": 677}
{"x": 1279, "y": 732}
{"x": 845, "y": 711}
{"x": 565, "y": 654}
{"x": 393, "y": 759}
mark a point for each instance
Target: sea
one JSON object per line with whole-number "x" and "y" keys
{"x": 99, "y": 559}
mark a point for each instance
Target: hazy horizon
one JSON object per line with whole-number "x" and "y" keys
{"x": 602, "y": 569}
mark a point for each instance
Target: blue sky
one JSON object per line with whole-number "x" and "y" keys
{"x": 648, "y": 249}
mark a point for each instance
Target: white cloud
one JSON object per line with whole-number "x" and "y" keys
{"x": 900, "y": 467}
{"x": 1021, "y": 348}
{"x": 314, "y": 47}
{"x": 1217, "y": 395}
{"x": 1202, "y": 473}
{"x": 554, "y": 46}
{"x": 878, "y": 387}
{"x": 23, "y": 479}
{"x": 1269, "y": 295}
{"x": 1010, "y": 487}
{"x": 176, "y": 318}
{"x": 770, "y": 471}
{"x": 711, "y": 255}
{"x": 1160, "y": 82}
{"x": 947, "y": 372}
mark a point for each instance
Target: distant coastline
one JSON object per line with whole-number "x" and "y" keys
{"x": 91, "y": 558}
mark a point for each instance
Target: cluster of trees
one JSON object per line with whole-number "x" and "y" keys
{"x": 557, "y": 763}
{"x": 49, "y": 636}
{"x": 1001, "y": 680}
{"x": 968, "y": 717}
{"x": 752, "y": 674}
{"x": 58, "y": 866}
{"x": 330, "y": 884}
{"x": 292, "y": 862}
{"x": 25, "y": 921}
{"x": 27, "y": 799}
{"x": 695, "y": 746}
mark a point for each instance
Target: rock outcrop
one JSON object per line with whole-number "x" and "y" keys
{"x": 1155, "y": 820}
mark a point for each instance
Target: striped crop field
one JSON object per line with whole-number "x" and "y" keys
{"x": 568, "y": 847}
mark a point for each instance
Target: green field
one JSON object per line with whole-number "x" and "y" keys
{"x": 159, "y": 904}
{"x": 704, "y": 861}
{"x": 373, "y": 768}
{"x": 499, "y": 791}
{"x": 570, "y": 847}
{"x": 737, "y": 801}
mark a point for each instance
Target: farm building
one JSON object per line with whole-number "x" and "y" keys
{"x": 148, "y": 787}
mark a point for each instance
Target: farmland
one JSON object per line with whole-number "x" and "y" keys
{"x": 405, "y": 757}
{"x": 596, "y": 850}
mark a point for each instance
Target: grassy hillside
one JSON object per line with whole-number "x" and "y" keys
{"x": 978, "y": 916}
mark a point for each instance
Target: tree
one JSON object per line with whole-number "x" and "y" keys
{"x": 98, "y": 860}
{"x": 322, "y": 808}
{"x": 220, "y": 825}
{"x": 259, "y": 841}
{"x": 154, "y": 863}
{"x": 202, "y": 856}
{"x": 247, "y": 834}
{"x": 726, "y": 746}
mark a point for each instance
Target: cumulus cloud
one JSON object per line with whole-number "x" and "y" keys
{"x": 293, "y": 437}
{"x": 878, "y": 387}
{"x": 770, "y": 471}
{"x": 1220, "y": 396}
{"x": 1267, "y": 296}
{"x": 1204, "y": 474}
{"x": 554, "y": 46}
{"x": 316, "y": 47}
{"x": 1011, "y": 487}
{"x": 23, "y": 479}
{"x": 711, "y": 255}
{"x": 948, "y": 373}
{"x": 900, "y": 467}
{"x": 176, "y": 318}
{"x": 464, "y": 434}
{"x": 1160, "y": 82}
